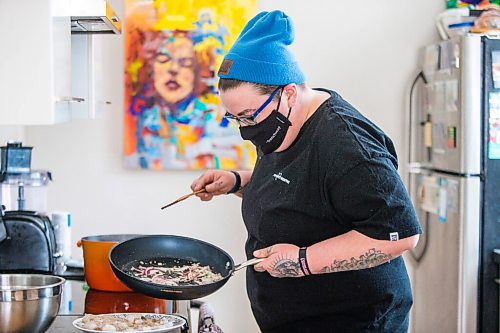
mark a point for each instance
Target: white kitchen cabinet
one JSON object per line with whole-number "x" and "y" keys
{"x": 35, "y": 62}
{"x": 87, "y": 77}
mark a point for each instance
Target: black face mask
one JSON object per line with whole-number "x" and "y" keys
{"x": 269, "y": 134}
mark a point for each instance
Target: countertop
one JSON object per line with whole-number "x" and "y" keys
{"x": 77, "y": 299}
{"x": 64, "y": 324}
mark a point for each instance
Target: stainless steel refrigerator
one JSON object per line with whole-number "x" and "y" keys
{"x": 454, "y": 182}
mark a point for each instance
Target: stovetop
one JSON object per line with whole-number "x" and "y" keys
{"x": 78, "y": 299}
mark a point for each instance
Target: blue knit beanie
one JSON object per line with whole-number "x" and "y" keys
{"x": 261, "y": 55}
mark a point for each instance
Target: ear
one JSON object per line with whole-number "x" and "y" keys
{"x": 290, "y": 93}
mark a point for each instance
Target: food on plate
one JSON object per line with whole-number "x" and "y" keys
{"x": 125, "y": 322}
{"x": 180, "y": 274}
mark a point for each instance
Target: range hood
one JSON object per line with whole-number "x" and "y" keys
{"x": 94, "y": 17}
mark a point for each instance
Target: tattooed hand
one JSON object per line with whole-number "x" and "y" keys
{"x": 282, "y": 260}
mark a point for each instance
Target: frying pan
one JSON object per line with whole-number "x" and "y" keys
{"x": 169, "y": 249}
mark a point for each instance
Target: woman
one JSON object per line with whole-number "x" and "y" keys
{"x": 324, "y": 206}
{"x": 179, "y": 129}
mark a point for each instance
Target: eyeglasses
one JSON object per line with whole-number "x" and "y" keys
{"x": 250, "y": 120}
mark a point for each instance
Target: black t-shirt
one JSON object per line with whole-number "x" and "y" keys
{"x": 340, "y": 174}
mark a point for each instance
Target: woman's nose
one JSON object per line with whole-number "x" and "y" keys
{"x": 173, "y": 67}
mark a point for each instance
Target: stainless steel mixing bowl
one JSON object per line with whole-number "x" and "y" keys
{"x": 28, "y": 302}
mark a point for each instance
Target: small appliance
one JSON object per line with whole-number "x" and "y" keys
{"x": 27, "y": 238}
{"x": 22, "y": 188}
{"x": 29, "y": 244}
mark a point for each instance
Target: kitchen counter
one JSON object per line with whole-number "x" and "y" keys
{"x": 78, "y": 299}
{"x": 64, "y": 324}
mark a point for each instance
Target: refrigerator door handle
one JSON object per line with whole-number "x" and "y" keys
{"x": 417, "y": 168}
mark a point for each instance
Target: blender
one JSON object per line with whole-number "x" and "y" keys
{"x": 21, "y": 188}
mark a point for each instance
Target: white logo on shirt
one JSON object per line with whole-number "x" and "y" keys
{"x": 280, "y": 177}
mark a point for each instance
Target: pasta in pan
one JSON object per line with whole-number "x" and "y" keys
{"x": 178, "y": 275}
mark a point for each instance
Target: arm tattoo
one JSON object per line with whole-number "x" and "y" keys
{"x": 370, "y": 259}
{"x": 285, "y": 267}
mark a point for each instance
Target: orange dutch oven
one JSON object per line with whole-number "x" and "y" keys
{"x": 97, "y": 269}
{"x": 97, "y": 302}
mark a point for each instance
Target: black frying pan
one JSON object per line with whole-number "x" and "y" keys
{"x": 170, "y": 249}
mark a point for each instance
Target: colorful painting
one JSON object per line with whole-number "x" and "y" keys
{"x": 173, "y": 115}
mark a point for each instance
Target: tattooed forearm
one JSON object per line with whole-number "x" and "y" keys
{"x": 284, "y": 267}
{"x": 371, "y": 258}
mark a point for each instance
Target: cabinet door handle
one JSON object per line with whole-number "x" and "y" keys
{"x": 70, "y": 99}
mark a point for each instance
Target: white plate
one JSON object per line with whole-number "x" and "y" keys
{"x": 172, "y": 320}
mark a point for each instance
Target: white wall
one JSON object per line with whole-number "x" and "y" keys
{"x": 365, "y": 50}
{"x": 11, "y": 133}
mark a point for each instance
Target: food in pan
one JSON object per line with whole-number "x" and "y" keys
{"x": 179, "y": 274}
{"x": 125, "y": 322}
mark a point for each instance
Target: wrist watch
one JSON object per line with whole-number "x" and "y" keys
{"x": 237, "y": 184}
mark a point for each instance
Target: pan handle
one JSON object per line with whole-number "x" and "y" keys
{"x": 252, "y": 261}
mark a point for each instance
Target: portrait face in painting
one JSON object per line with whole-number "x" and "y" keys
{"x": 174, "y": 69}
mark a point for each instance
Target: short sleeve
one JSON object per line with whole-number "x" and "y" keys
{"x": 371, "y": 199}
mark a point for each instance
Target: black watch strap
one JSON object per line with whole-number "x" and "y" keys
{"x": 237, "y": 184}
{"x": 304, "y": 266}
